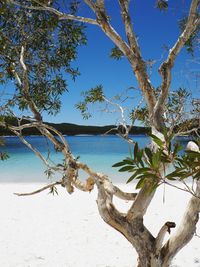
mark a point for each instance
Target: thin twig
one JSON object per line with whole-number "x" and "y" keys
{"x": 39, "y": 190}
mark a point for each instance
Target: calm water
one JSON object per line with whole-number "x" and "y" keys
{"x": 99, "y": 152}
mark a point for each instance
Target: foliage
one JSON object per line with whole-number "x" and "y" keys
{"x": 162, "y": 4}
{"x": 116, "y": 53}
{"x": 50, "y": 46}
{"x": 147, "y": 165}
{"x": 175, "y": 111}
{"x": 3, "y": 155}
{"x": 53, "y": 190}
{"x": 93, "y": 95}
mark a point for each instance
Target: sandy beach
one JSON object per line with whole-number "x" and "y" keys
{"x": 67, "y": 231}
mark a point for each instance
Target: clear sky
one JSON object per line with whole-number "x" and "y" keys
{"x": 155, "y": 30}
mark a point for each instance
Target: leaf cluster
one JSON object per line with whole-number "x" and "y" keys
{"x": 146, "y": 165}
{"x": 53, "y": 190}
{"x": 116, "y": 53}
{"x": 94, "y": 95}
{"x": 3, "y": 155}
{"x": 162, "y": 4}
{"x": 50, "y": 48}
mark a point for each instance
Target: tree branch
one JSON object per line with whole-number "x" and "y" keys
{"x": 108, "y": 211}
{"x": 25, "y": 87}
{"x": 165, "y": 68}
{"x": 39, "y": 190}
{"x": 141, "y": 203}
{"x": 124, "y": 4}
{"x": 187, "y": 227}
{"x": 161, "y": 235}
{"x": 112, "y": 189}
{"x": 132, "y": 54}
{"x": 137, "y": 63}
{"x": 61, "y": 16}
{"x": 37, "y": 153}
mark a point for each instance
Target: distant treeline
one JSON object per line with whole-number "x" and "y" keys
{"x": 72, "y": 129}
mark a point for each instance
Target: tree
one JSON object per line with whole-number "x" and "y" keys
{"x": 23, "y": 58}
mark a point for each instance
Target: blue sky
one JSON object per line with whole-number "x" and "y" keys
{"x": 154, "y": 30}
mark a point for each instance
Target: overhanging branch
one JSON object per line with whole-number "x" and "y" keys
{"x": 39, "y": 190}
{"x": 61, "y": 15}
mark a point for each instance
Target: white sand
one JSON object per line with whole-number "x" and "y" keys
{"x": 67, "y": 231}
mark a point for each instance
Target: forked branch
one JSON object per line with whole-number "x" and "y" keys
{"x": 161, "y": 235}
{"x": 129, "y": 27}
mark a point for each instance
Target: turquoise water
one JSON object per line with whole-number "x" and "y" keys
{"x": 99, "y": 152}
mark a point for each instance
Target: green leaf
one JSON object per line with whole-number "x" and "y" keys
{"x": 116, "y": 53}
{"x": 132, "y": 177}
{"x": 53, "y": 190}
{"x": 144, "y": 170}
{"x": 162, "y": 4}
{"x": 165, "y": 158}
{"x": 157, "y": 140}
{"x": 178, "y": 173}
{"x": 147, "y": 175}
{"x": 169, "y": 147}
{"x": 140, "y": 184}
{"x": 136, "y": 150}
{"x": 129, "y": 161}
{"x": 119, "y": 164}
{"x": 126, "y": 168}
{"x": 148, "y": 153}
{"x": 4, "y": 156}
{"x": 177, "y": 148}
{"x": 193, "y": 154}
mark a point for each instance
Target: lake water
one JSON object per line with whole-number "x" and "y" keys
{"x": 99, "y": 152}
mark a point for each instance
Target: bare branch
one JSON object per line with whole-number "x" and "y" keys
{"x": 123, "y": 195}
{"x": 37, "y": 153}
{"x": 39, "y": 190}
{"x": 22, "y": 59}
{"x": 186, "y": 189}
{"x": 161, "y": 235}
{"x": 165, "y": 68}
{"x": 108, "y": 211}
{"x": 101, "y": 178}
{"x": 25, "y": 87}
{"x": 61, "y": 16}
{"x": 188, "y": 131}
{"x": 137, "y": 63}
{"x": 187, "y": 227}
{"x": 121, "y": 110}
{"x": 129, "y": 27}
{"x": 141, "y": 203}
